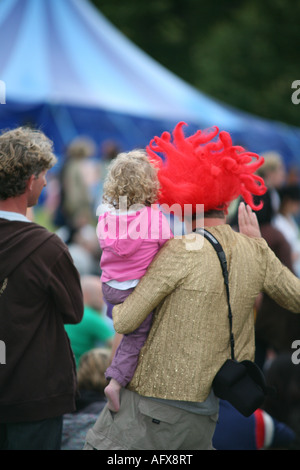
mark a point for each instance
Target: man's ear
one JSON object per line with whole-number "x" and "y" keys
{"x": 30, "y": 182}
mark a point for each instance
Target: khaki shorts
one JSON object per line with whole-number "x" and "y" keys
{"x": 144, "y": 424}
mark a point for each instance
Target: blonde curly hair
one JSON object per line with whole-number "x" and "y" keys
{"x": 132, "y": 175}
{"x": 91, "y": 369}
{"x": 23, "y": 152}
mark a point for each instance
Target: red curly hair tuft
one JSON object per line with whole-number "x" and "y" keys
{"x": 205, "y": 168}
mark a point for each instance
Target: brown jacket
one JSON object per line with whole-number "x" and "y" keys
{"x": 42, "y": 293}
{"x": 189, "y": 338}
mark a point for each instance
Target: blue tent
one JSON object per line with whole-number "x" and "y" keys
{"x": 66, "y": 69}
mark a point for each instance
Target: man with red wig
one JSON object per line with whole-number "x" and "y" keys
{"x": 169, "y": 403}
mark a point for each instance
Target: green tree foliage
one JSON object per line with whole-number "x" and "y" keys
{"x": 244, "y": 53}
{"x": 251, "y": 60}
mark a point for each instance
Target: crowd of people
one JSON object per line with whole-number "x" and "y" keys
{"x": 114, "y": 326}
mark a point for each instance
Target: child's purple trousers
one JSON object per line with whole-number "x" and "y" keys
{"x": 126, "y": 357}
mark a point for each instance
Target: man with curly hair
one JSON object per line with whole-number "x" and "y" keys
{"x": 41, "y": 292}
{"x": 170, "y": 403}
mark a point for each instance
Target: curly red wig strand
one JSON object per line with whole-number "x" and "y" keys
{"x": 205, "y": 168}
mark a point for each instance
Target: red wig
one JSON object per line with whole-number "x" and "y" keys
{"x": 205, "y": 168}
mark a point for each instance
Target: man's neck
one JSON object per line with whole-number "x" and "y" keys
{"x": 214, "y": 221}
{"x": 17, "y": 204}
{"x": 210, "y": 222}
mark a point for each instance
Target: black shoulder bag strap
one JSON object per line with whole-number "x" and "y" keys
{"x": 220, "y": 252}
{"x": 253, "y": 369}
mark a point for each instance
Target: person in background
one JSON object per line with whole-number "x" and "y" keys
{"x": 258, "y": 431}
{"x": 40, "y": 292}
{"x": 283, "y": 374}
{"x": 274, "y": 174}
{"x": 95, "y": 328}
{"x": 90, "y": 400}
{"x": 85, "y": 250}
{"x": 75, "y": 208}
{"x": 286, "y": 221}
{"x": 109, "y": 150}
{"x": 275, "y": 326}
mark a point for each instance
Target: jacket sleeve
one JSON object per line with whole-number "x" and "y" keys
{"x": 65, "y": 287}
{"x": 281, "y": 284}
{"x": 160, "y": 280}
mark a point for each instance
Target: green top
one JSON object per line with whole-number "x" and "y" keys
{"x": 94, "y": 329}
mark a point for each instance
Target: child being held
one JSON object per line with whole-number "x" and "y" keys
{"x": 131, "y": 230}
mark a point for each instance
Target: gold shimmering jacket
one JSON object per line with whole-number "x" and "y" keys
{"x": 189, "y": 338}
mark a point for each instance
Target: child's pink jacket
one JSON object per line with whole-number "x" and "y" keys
{"x": 129, "y": 242}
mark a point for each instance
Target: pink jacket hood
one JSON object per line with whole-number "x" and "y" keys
{"x": 123, "y": 233}
{"x": 129, "y": 241}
